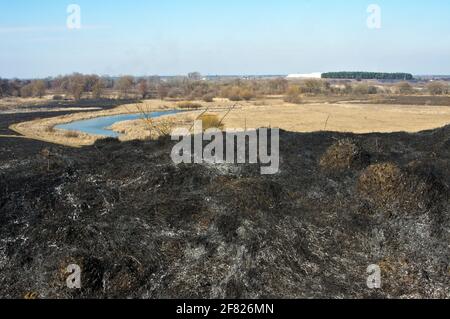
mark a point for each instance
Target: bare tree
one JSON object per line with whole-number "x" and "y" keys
{"x": 77, "y": 86}
{"x": 26, "y": 90}
{"x": 196, "y": 76}
{"x": 143, "y": 88}
{"x": 39, "y": 88}
{"x": 175, "y": 92}
{"x": 163, "y": 91}
{"x": 278, "y": 86}
{"x": 97, "y": 88}
{"x": 125, "y": 84}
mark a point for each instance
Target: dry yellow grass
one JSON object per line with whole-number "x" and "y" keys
{"x": 42, "y": 129}
{"x": 357, "y": 118}
{"x": 340, "y": 117}
{"x": 8, "y": 103}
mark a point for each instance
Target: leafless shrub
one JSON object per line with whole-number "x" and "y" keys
{"x": 404, "y": 88}
{"x": 71, "y": 134}
{"x": 211, "y": 121}
{"x": 437, "y": 88}
{"x": 293, "y": 95}
{"x": 49, "y": 129}
{"x": 189, "y": 105}
{"x": 208, "y": 98}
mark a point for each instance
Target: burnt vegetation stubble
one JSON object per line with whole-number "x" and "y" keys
{"x": 141, "y": 227}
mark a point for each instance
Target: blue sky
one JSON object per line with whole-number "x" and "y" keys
{"x": 145, "y": 37}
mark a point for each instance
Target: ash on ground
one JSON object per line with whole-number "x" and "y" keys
{"x": 141, "y": 227}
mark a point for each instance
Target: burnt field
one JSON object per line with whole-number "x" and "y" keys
{"x": 141, "y": 227}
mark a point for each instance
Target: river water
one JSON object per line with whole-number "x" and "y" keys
{"x": 100, "y": 125}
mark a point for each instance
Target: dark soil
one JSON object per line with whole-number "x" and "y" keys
{"x": 141, "y": 227}
{"x": 436, "y": 100}
{"x": 406, "y": 100}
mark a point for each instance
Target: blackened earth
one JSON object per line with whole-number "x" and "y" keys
{"x": 141, "y": 227}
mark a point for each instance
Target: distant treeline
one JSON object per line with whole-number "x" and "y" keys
{"x": 367, "y": 76}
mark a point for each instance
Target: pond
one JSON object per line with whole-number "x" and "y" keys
{"x": 100, "y": 125}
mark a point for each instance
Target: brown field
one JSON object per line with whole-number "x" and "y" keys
{"x": 354, "y": 116}
{"x": 15, "y": 103}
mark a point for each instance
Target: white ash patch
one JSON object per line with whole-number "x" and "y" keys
{"x": 194, "y": 253}
{"x": 3, "y": 257}
{"x": 223, "y": 169}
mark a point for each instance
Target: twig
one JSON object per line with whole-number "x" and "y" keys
{"x": 190, "y": 129}
{"x": 326, "y": 123}
{"x": 228, "y": 112}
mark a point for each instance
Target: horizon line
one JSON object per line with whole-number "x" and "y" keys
{"x": 205, "y": 75}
